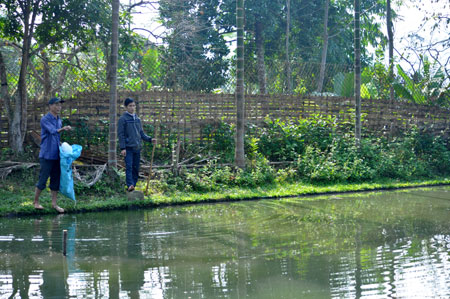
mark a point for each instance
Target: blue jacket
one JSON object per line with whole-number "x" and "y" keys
{"x": 50, "y": 139}
{"x": 130, "y": 132}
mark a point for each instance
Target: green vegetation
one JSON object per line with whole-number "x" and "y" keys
{"x": 310, "y": 157}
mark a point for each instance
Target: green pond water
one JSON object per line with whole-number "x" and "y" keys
{"x": 366, "y": 245}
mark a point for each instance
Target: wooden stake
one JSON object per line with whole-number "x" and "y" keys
{"x": 150, "y": 172}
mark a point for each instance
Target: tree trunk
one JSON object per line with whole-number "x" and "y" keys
{"x": 323, "y": 62}
{"x": 4, "y": 86}
{"x": 17, "y": 108}
{"x": 390, "y": 33}
{"x": 4, "y": 82}
{"x": 261, "y": 68}
{"x": 47, "y": 80}
{"x": 18, "y": 121}
{"x": 357, "y": 74}
{"x": 288, "y": 62}
{"x": 112, "y": 152}
{"x": 240, "y": 101}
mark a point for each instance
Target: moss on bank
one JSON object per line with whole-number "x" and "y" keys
{"x": 18, "y": 201}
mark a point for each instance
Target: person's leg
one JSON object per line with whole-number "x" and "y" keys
{"x": 136, "y": 164}
{"x": 54, "y": 204}
{"x": 129, "y": 168}
{"x": 55, "y": 177}
{"x": 37, "y": 193}
{"x": 44, "y": 173}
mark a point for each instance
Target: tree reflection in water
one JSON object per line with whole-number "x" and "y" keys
{"x": 360, "y": 245}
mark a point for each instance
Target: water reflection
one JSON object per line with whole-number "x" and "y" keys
{"x": 393, "y": 244}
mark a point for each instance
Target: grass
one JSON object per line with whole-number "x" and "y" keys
{"x": 17, "y": 198}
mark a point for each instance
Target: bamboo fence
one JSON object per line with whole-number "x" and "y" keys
{"x": 188, "y": 113}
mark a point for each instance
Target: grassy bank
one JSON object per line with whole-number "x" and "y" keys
{"x": 18, "y": 200}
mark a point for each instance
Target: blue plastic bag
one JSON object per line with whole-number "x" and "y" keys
{"x": 66, "y": 181}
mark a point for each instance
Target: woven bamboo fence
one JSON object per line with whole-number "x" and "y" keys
{"x": 188, "y": 113}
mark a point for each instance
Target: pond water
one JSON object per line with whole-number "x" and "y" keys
{"x": 366, "y": 245}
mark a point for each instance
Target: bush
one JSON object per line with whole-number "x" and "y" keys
{"x": 321, "y": 154}
{"x": 219, "y": 140}
{"x": 108, "y": 185}
{"x": 286, "y": 140}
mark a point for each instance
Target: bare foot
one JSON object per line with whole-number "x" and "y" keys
{"x": 58, "y": 209}
{"x": 38, "y": 207}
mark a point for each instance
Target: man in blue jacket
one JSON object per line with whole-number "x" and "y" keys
{"x": 131, "y": 134}
{"x": 51, "y": 126}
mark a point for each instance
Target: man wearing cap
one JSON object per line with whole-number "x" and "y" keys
{"x": 51, "y": 126}
{"x": 131, "y": 134}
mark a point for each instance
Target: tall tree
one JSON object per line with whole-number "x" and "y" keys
{"x": 288, "y": 61}
{"x": 32, "y": 25}
{"x": 390, "y": 33}
{"x": 357, "y": 44}
{"x": 112, "y": 151}
{"x": 324, "y": 47}
{"x": 240, "y": 101}
{"x": 261, "y": 13}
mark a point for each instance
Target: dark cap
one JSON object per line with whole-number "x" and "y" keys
{"x": 55, "y": 100}
{"x": 128, "y": 101}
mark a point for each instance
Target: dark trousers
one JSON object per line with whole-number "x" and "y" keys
{"x": 52, "y": 169}
{"x": 132, "y": 161}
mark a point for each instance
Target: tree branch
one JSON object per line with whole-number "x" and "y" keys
{"x": 148, "y": 31}
{"x": 142, "y": 3}
{"x": 62, "y": 75}
{"x": 36, "y": 74}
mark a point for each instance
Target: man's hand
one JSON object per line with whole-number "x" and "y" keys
{"x": 65, "y": 128}
{"x": 123, "y": 152}
{"x": 154, "y": 141}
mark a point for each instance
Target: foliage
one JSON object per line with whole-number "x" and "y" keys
{"x": 335, "y": 160}
{"x": 285, "y": 140}
{"x": 195, "y": 55}
{"x": 73, "y": 22}
{"x": 220, "y": 139}
{"x": 339, "y": 163}
{"x": 343, "y": 84}
{"x": 374, "y": 83}
{"x": 416, "y": 154}
{"x": 319, "y": 152}
{"x": 427, "y": 87}
{"x": 109, "y": 185}
{"x": 375, "y": 80}
{"x": 213, "y": 177}
{"x": 85, "y": 135}
{"x": 317, "y": 149}
{"x": 28, "y": 155}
